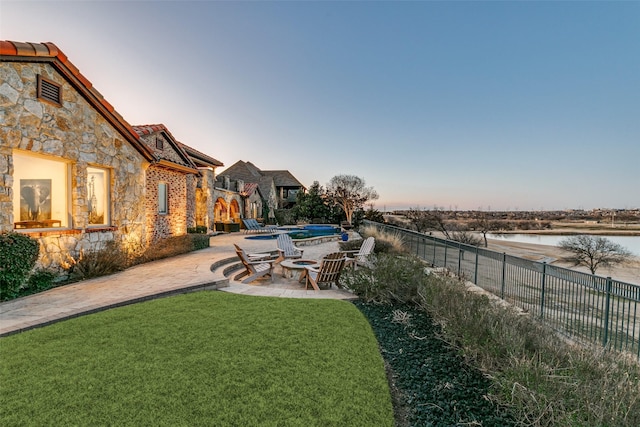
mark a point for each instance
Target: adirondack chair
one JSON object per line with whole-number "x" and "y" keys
{"x": 255, "y": 268}
{"x": 360, "y": 256}
{"x": 328, "y": 273}
{"x": 286, "y": 248}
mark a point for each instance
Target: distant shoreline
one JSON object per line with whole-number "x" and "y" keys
{"x": 575, "y": 231}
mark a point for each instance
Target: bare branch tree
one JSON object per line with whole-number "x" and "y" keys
{"x": 485, "y": 225}
{"x": 434, "y": 219}
{"x": 350, "y": 193}
{"x": 594, "y": 252}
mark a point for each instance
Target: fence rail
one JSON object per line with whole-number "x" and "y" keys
{"x": 582, "y": 306}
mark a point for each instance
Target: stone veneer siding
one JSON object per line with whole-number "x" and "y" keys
{"x": 77, "y": 133}
{"x": 205, "y": 200}
{"x": 174, "y": 222}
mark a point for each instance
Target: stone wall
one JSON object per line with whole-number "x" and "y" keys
{"x": 205, "y": 199}
{"x": 74, "y": 132}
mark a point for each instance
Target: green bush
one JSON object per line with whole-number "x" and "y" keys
{"x": 40, "y": 280}
{"x": 199, "y": 242}
{"x": 173, "y": 246}
{"x": 18, "y": 255}
{"x": 198, "y": 229}
{"x": 391, "y": 279}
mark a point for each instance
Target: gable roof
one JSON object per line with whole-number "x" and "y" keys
{"x": 11, "y": 51}
{"x": 283, "y": 178}
{"x": 250, "y": 188}
{"x": 183, "y": 163}
{"x": 249, "y": 172}
{"x": 199, "y": 158}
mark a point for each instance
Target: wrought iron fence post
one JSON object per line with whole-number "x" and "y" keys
{"x": 605, "y": 337}
{"x": 434, "y": 252}
{"x": 475, "y": 272}
{"x": 504, "y": 269}
{"x": 446, "y": 245}
{"x": 544, "y": 282}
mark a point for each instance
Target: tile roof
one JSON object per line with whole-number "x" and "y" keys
{"x": 12, "y": 51}
{"x": 249, "y": 189}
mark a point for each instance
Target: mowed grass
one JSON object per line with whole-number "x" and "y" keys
{"x": 207, "y": 358}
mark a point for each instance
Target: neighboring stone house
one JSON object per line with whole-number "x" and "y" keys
{"x": 287, "y": 187}
{"x": 171, "y": 185}
{"x": 277, "y": 188}
{"x": 72, "y": 170}
{"x": 204, "y": 186}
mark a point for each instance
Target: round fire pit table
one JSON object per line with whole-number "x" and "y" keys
{"x": 292, "y": 268}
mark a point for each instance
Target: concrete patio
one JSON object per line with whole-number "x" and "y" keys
{"x": 180, "y": 274}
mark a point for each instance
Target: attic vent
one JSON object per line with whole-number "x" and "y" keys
{"x": 49, "y": 91}
{"x": 159, "y": 143}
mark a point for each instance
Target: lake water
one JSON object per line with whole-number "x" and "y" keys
{"x": 631, "y": 243}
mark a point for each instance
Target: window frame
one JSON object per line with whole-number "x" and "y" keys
{"x": 163, "y": 198}
{"x": 104, "y": 191}
{"x": 58, "y": 184}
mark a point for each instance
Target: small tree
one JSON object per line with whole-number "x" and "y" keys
{"x": 424, "y": 220}
{"x": 593, "y": 252}
{"x": 350, "y": 193}
{"x": 484, "y": 225}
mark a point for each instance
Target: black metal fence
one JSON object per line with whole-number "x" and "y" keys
{"x": 582, "y": 306}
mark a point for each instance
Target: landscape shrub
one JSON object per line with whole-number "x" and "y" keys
{"x": 390, "y": 278}
{"x": 87, "y": 264}
{"x": 198, "y": 229}
{"x": 40, "y": 280}
{"x": 386, "y": 242}
{"x": 545, "y": 379}
{"x": 173, "y": 246}
{"x": 285, "y": 216}
{"x": 18, "y": 256}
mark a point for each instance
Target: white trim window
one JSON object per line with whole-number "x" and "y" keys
{"x": 98, "y": 201}
{"x": 40, "y": 192}
{"x": 163, "y": 198}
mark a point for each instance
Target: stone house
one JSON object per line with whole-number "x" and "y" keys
{"x": 277, "y": 188}
{"x": 71, "y": 168}
{"x": 75, "y": 175}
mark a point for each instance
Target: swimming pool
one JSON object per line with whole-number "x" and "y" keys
{"x": 298, "y": 233}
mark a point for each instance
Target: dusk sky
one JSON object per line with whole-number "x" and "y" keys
{"x": 493, "y": 105}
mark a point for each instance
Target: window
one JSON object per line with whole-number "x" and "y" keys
{"x": 163, "y": 198}
{"x": 98, "y": 196}
{"x": 49, "y": 90}
{"x": 159, "y": 143}
{"x": 40, "y": 192}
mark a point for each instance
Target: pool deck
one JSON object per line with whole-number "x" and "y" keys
{"x": 199, "y": 270}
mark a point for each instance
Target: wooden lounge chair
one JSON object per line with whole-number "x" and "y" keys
{"x": 327, "y": 274}
{"x": 286, "y": 248}
{"x": 255, "y": 268}
{"x": 361, "y": 256}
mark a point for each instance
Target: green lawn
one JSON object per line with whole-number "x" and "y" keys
{"x": 207, "y": 358}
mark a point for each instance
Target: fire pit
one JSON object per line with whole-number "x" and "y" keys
{"x": 292, "y": 268}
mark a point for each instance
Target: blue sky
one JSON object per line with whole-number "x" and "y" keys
{"x": 492, "y": 105}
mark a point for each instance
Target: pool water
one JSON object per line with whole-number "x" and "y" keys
{"x": 305, "y": 232}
